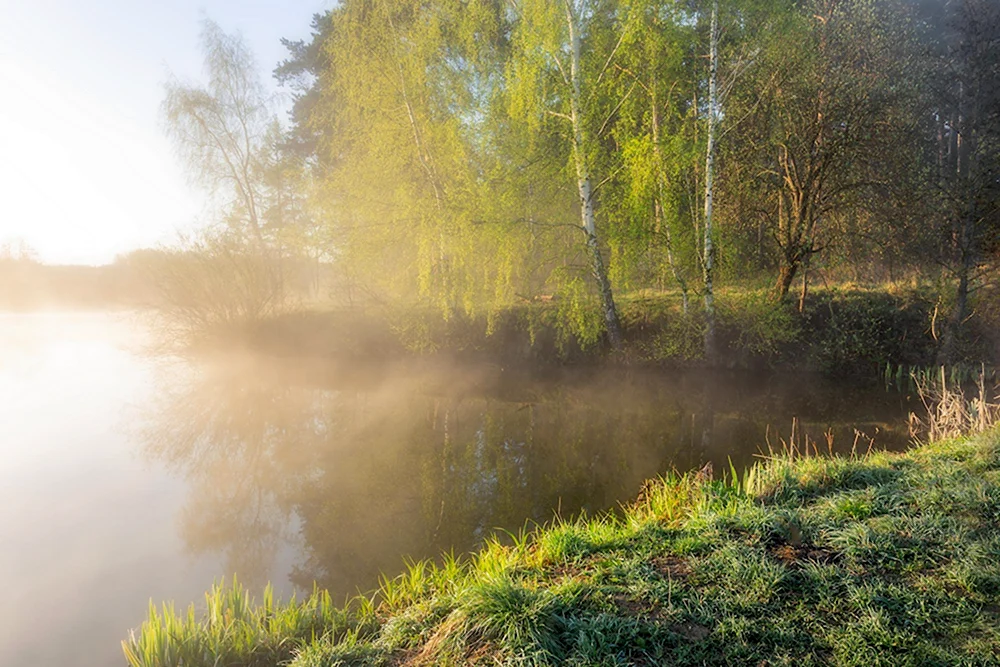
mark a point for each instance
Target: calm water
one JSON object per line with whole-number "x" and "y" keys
{"x": 125, "y": 478}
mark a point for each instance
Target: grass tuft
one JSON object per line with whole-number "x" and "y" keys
{"x": 234, "y": 629}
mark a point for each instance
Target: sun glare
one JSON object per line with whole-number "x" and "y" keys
{"x": 81, "y": 187}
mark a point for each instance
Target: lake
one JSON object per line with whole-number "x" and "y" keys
{"x": 126, "y": 476}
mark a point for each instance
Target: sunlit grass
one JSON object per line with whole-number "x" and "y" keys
{"x": 233, "y": 628}
{"x": 874, "y": 558}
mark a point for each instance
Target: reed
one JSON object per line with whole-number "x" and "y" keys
{"x": 906, "y": 377}
{"x": 951, "y": 409}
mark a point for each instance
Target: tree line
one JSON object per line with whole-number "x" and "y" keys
{"x": 477, "y": 155}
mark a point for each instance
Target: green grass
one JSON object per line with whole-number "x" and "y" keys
{"x": 234, "y": 629}
{"x": 882, "y": 559}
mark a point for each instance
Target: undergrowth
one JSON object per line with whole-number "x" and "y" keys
{"x": 842, "y": 332}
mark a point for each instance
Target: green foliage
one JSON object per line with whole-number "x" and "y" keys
{"x": 760, "y": 325}
{"x": 680, "y": 338}
{"x": 578, "y": 315}
{"x": 447, "y": 155}
{"x": 524, "y": 622}
{"x": 349, "y": 652}
{"x": 857, "y": 331}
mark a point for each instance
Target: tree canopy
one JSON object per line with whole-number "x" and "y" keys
{"x": 474, "y": 156}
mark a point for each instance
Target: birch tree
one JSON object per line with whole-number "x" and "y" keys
{"x": 656, "y": 142}
{"x": 681, "y": 122}
{"x": 227, "y": 133}
{"x": 733, "y": 51}
{"x": 224, "y": 130}
{"x": 713, "y": 118}
{"x": 556, "y": 75}
{"x": 404, "y": 97}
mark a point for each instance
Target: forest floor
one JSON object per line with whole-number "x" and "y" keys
{"x": 875, "y": 559}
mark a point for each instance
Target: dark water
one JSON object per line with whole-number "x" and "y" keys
{"x": 124, "y": 478}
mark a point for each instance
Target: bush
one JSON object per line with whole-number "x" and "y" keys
{"x": 756, "y": 323}
{"x": 857, "y": 332}
{"x": 681, "y": 337}
{"x": 215, "y": 283}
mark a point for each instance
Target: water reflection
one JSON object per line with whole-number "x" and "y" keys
{"x": 352, "y": 471}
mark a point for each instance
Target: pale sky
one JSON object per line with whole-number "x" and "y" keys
{"x": 85, "y": 170}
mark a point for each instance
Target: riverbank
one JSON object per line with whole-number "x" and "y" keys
{"x": 843, "y": 331}
{"x": 864, "y": 560}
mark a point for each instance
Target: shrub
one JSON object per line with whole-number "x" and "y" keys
{"x": 211, "y": 284}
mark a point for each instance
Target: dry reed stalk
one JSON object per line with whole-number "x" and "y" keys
{"x": 950, "y": 414}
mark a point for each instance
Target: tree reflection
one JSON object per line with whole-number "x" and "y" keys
{"x": 358, "y": 470}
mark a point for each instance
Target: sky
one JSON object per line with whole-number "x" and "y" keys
{"x": 86, "y": 172}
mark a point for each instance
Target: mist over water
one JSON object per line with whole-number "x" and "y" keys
{"x": 125, "y": 477}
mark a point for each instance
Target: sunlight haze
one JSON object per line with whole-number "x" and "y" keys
{"x": 507, "y": 332}
{"x": 87, "y": 172}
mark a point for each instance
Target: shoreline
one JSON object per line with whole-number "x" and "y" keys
{"x": 843, "y": 332}
{"x": 885, "y": 558}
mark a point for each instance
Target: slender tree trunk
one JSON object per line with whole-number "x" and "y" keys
{"x": 962, "y": 298}
{"x": 949, "y": 345}
{"x": 949, "y": 342}
{"x": 966, "y": 237}
{"x": 805, "y": 284}
{"x": 422, "y": 154}
{"x": 661, "y": 225}
{"x": 713, "y": 112}
{"x": 586, "y": 191}
{"x": 658, "y": 204}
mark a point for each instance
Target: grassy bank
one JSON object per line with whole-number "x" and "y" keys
{"x": 881, "y": 559}
{"x": 842, "y": 331}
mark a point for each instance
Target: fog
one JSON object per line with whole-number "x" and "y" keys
{"x": 126, "y": 476}
{"x": 479, "y": 267}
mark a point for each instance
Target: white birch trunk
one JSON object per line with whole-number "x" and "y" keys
{"x": 585, "y": 187}
{"x": 713, "y": 115}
